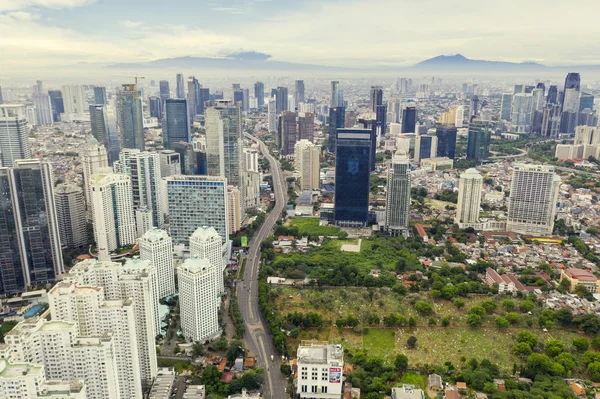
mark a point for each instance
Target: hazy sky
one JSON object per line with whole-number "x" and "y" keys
{"x": 330, "y": 32}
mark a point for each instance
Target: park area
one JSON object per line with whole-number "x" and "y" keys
{"x": 435, "y": 344}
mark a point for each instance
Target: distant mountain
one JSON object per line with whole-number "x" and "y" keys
{"x": 460, "y": 62}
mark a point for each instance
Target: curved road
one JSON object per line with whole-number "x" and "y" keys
{"x": 257, "y": 338}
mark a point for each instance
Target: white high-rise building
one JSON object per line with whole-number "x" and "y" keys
{"x": 307, "y": 164}
{"x": 250, "y": 159}
{"x": 170, "y": 163}
{"x": 460, "y": 116}
{"x": 114, "y": 222}
{"x": 272, "y": 115}
{"x": 70, "y": 211}
{"x": 195, "y": 201}
{"x": 469, "y": 197}
{"x": 145, "y": 171}
{"x": 521, "y": 115}
{"x": 397, "y": 204}
{"x": 41, "y": 101}
{"x": 206, "y": 243}
{"x": 14, "y": 143}
{"x": 74, "y": 99}
{"x": 157, "y": 247}
{"x": 234, "y": 209}
{"x": 93, "y": 158}
{"x": 320, "y": 370}
{"x": 198, "y": 303}
{"x": 533, "y": 197}
{"x": 95, "y": 361}
{"x": 252, "y": 189}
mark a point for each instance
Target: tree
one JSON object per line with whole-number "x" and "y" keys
{"x": 596, "y": 342}
{"x": 459, "y": 303}
{"x": 477, "y": 310}
{"x": 401, "y": 363}
{"x": 594, "y": 371}
{"x": 501, "y": 322}
{"x": 509, "y": 305}
{"x": 564, "y": 316}
{"x": 513, "y": 318}
{"x": 528, "y": 337}
{"x": 411, "y": 342}
{"x": 526, "y": 305}
{"x": 445, "y": 322}
{"x": 285, "y": 369}
{"x": 581, "y": 344}
{"x": 489, "y": 305}
{"x": 522, "y": 349}
{"x": 412, "y": 322}
{"x": 424, "y": 308}
{"x": 490, "y": 388}
{"x": 554, "y": 348}
{"x": 474, "y": 320}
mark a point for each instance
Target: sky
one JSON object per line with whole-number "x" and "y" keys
{"x": 51, "y": 33}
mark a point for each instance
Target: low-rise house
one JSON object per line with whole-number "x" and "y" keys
{"x": 434, "y": 382}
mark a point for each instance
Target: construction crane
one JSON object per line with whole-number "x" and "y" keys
{"x": 136, "y": 78}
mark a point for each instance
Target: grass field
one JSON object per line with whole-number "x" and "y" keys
{"x": 310, "y": 226}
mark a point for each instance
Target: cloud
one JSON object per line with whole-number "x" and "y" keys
{"x": 11, "y": 5}
{"x": 131, "y": 24}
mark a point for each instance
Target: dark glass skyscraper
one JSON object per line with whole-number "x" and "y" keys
{"x": 100, "y": 95}
{"x": 337, "y": 116}
{"x": 372, "y": 125}
{"x": 299, "y": 92}
{"x": 259, "y": 93}
{"x": 155, "y": 105}
{"x": 586, "y": 101}
{"x": 177, "y": 127}
{"x": 573, "y": 81}
{"x": 281, "y": 100}
{"x": 552, "y": 97}
{"x": 376, "y": 97}
{"x": 352, "y": 176}
{"x": 130, "y": 120}
{"x": 11, "y": 264}
{"x": 409, "y": 118}
{"x": 192, "y": 162}
{"x": 104, "y": 130}
{"x": 165, "y": 92}
{"x": 286, "y": 132}
{"x": 180, "y": 92}
{"x": 380, "y": 116}
{"x": 58, "y": 106}
{"x": 238, "y": 96}
{"x": 446, "y": 141}
{"x": 478, "y": 140}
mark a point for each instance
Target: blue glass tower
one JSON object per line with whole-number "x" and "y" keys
{"x": 177, "y": 126}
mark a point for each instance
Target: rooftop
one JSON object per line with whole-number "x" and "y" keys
{"x": 580, "y": 274}
{"x": 320, "y": 353}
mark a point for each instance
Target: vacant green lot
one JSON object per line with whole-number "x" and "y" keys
{"x": 310, "y": 227}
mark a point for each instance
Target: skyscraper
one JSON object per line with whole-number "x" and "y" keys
{"x": 469, "y": 197}
{"x": 506, "y": 106}
{"x": 104, "y": 130}
{"x": 281, "y": 100}
{"x": 370, "y": 124}
{"x": 206, "y": 243}
{"x": 198, "y": 302}
{"x": 397, "y": 203}
{"x": 335, "y": 94}
{"x": 473, "y": 107}
{"x": 586, "y": 101}
{"x": 478, "y": 140}
{"x": 571, "y": 92}
{"x": 194, "y": 97}
{"x": 259, "y": 93}
{"x": 192, "y": 161}
{"x": 70, "y": 212}
{"x": 100, "y": 95}
{"x": 551, "y": 117}
{"x": 238, "y": 96}
{"x": 409, "y": 117}
{"x": 394, "y": 109}
{"x": 245, "y": 99}
{"x": 307, "y": 164}
{"x": 299, "y": 91}
{"x": 234, "y": 209}
{"x": 446, "y": 141}
{"x": 28, "y": 192}
{"x": 380, "y": 117}
{"x": 1, "y": 98}
{"x": 155, "y": 105}
{"x": 286, "y": 132}
{"x": 114, "y": 223}
{"x": 272, "y": 115}
{"x": 224, "y": 141}
{"x": 552, "y": 97}
{"x": 180, "y": 86}
{"x": 165, "y": 91}
{"x": 74, "y": 99}
{"x": 425, "y": 147}
{"x": 195, "y": 201}
{"x": 532, "y": 201}
{"x": 14, "y": 143}
{"x": 94, "y": 158}
{"x": 177, "y": 126}
{"x": 56, "y": 101}
{"x": 11, "y": 261}
{"x": 337, "y": 117}
{"x": 376, "y": 97}
{"x": 522, "y": 112}
{"x": 41, "y": 101}
{"x": 130, "y": 120}
{"x": 460, "y": 116}
{"x": 352, "y": 174}
{"x": 144, "y": 169}
{"x": 157, "y": 247}
{"x": 306, "y": 126}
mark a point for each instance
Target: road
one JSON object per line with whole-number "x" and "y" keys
{"x": 257, "y": 338}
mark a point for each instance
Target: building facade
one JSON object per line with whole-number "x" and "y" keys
{"x": 156, "y": 246}
{"x": 14, "y": 143}
{"x": 469, "y": 197}
{"x": 70, "y": 212}
{"x": 397, "y": 204}
{"x": 307, "y": 164}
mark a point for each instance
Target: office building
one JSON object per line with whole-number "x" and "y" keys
{"x": 448, "y": 117}
{"x": 320, "y": 370}
{"x": 100, "y": 95}
{"x": 376, "y": 97}
{"x": 586, "y": 101}
{"x": 113, "y": 217}
{"x": 380, "y": 117}
{"x": 551, "y": 117}
{"x": 195, "y": 201}
{"x": 370, "y": 124}
{"x": 397, "y": 202}
{"x": 14, "y": 143}
{"x": 473, "y": 107}
{"x": 155, "y": 105}
{"x": 234, "y": 206}
{"x": 70, "y": 212}
{"x": 394, "y": 109}
{"x": 299, "y": 91}
{"x": 198, "y": 304}
{"x": 506, "y": 107}
{"x": 286, "y": 132}
{"x": 337, "y": 118}
{"x": 460, "y": 116}
{"x": 193, "y": 161}
{"x": 245, "y": 99}
{"x": 446, "y": 141}
{"x": 74, "y": 99}
{"x": 425, "y": 147}
{"x": 157, "y": 247}
{"x": 93, "y": 159}
{"x": 250, "y": 159}
{"x": 224, "y": 141}
{"x": 335, "y": 95}
{"x": 95, "y": 316}
{"x": 307, "y": 164}
{"x": 281, "y": 100}
{"x": 180, "y": 92}
{"x": 571, "y": 92}
{"x": 522, "y": 112}
{"x": 144, "y": 170}
{"x": 164, "y": 90}
{"x": 130, "y": 119}
{"x": 469, "y": 198}
{"x": 29, "y": 213}
{"x": 206, "y": 243}
{"x": 552, "y": 96}
{"x": 306, "y": 126}
{"x": 170, "y": 163}
{"x": 532, "y": 201}
{"x": 104, "y": 129}
{"x": 194, "y": 98}
{"x": 409, "y": 117}
{"x": 259, "y": 93}
{"x": 1, "y": 97}
{"x": 272, "y": 115}
{"x": 478, "y": 140}
{"x": 352, "y": 175}
{"x": 56, "y": 101}
{"x": 238, "y": 97}
{"x": 177, "y": 122}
